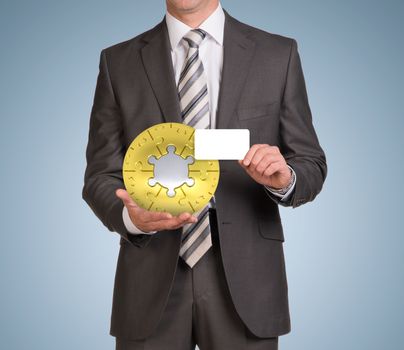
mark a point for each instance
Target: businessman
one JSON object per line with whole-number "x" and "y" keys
{"x": 215, "y": 278}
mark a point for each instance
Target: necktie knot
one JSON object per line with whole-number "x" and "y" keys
{"x": 194, "y": 37}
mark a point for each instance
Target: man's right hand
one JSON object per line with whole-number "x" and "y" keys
{"x": 148, "y": 221}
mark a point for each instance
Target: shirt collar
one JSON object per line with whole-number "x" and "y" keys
{"x": 213, "y": 25}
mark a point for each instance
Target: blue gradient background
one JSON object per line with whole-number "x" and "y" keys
{"x": 344, "y": 251}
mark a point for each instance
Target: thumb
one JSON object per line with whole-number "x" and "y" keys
{"x": 240, "y": 161}
{"x": 126, "y": 199}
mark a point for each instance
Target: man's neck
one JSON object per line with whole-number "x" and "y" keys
{"x": 193, "y": 18}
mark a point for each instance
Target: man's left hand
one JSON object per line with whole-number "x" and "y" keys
{"x": 266, "y": 165}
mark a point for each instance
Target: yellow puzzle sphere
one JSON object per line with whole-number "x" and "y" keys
{"x": 160, "y": 172}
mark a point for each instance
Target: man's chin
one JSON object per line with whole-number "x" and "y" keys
{"x": 186, "y": 6}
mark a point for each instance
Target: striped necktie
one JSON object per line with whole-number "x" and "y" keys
{"x": 194, "y": 101}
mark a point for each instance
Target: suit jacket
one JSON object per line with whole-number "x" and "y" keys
{"x": 262, "y": 89}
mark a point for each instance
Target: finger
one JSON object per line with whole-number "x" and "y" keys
{"x": 272, "y": 168}
{"x": 153, "y": 216}
{"x": 160, "y": 225}
{"x": 185, "y": 218}
{"x": 163, "y": 224}
{"x": 172, "y": 223}
{"x": 266, "y": 160}
{"x": 249, "y": 155}
{"x": 181, "y": 224}
{"x": 142, "y": 217}
{"x": 126, "y": 199}
{"x": 147, "y": 216}
{"x": 258, "y": 156}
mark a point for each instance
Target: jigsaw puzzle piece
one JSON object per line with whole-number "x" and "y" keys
{"x": 152, "y": 196}
{"x": 142, "y": 141}
{"x": 184, "y": 202}
{"x": 187, "y": 149}
{"x": 203, "y": 169}
{"x": 159, "y": 145}
{"x": 138, "y": 167}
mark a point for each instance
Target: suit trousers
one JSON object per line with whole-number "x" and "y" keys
{"x": 200, "y": 311}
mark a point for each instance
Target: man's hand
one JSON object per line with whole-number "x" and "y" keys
{"x": 148, "y": 221}
{"x": 266, "y": 165}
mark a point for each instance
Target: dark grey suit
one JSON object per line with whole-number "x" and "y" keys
{"x": 262, "y": 89}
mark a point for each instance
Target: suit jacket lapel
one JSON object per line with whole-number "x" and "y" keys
{"x": 237, "y": 56}
{"x": 156, "y": 56}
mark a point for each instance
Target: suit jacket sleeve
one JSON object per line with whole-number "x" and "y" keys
{"x": 298, "y": 140}
{"x": 104, "y": 154}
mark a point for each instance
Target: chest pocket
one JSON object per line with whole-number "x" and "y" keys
{"x": 262, "y": 121}
{"x": 254, "y": 112}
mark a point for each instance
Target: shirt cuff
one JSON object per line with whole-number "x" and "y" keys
{"x": 130, "y": 226}
{"x": 284, "y": 193}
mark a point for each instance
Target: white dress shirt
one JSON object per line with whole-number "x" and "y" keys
{"x": 211, "y": 54}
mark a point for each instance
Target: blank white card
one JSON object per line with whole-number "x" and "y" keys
{"x": 221, "y": 144}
